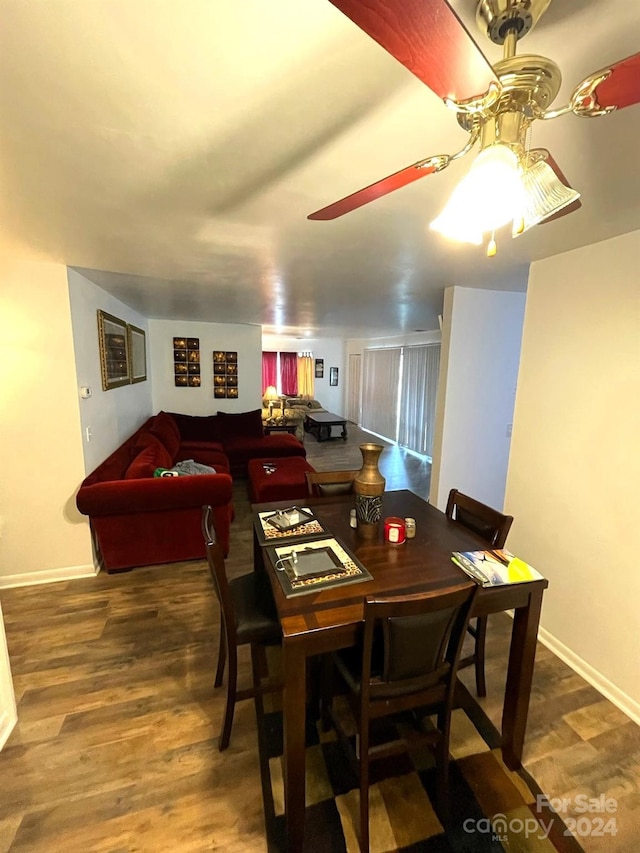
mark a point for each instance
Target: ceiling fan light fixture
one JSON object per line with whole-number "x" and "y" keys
{"x": 489, "y": 196}
{"x": 545, "y": 195}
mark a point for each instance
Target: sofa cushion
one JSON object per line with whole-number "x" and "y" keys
{"x": 302, "y": 403}
{"x": 197, "y": 427}
{"x": 145, "y": 463}
{"x": 240, "y": 425}
{"x": 208, "y": 454}
{"x": 240, "y": 449}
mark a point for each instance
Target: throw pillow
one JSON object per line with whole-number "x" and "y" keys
{"x": 164, "y": 428}
{"x": 152, "y": 457}
{"x": 197, "y": 427}
{"x": 241, "y": 425}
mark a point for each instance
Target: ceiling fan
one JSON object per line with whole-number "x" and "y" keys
{"x": 496, "y": 105}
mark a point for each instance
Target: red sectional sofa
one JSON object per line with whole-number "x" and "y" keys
{"x": 241, "y": 437}
{"x": 138, "y": 519}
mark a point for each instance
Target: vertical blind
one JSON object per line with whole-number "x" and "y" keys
{"x": 380, "y": 386}
{"x": 420, "y": 370}
{"x": 399, "y": 386}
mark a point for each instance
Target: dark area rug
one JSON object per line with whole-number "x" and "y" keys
{"x": 492, "y": 808}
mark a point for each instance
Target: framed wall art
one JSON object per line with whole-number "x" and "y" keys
{"x": 114, "y": 356}
{"x": 225, "y": 374}
{"x": 319, "y": 368}
{"x": 137, "y": 346}
{"x": 333, "y": 376}
{"x": 186, "y": 362}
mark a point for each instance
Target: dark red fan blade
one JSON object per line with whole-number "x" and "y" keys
{"x": 373, "y": 191}
{"x": 429, "y": 39}
{"x": 622, "y": 88}
{"x": 570, "y": 208}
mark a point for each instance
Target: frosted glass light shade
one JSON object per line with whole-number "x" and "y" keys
{"x": 489, "y": 196}
{"x": 545, "y": 194}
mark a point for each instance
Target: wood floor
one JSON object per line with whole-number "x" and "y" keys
{"x": 116, "y": 745}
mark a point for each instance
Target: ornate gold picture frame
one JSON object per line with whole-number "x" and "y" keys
{"x": 137, "y": 344}
{"x": 114, "y": 352}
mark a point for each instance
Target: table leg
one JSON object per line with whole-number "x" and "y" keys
{"x": 294, "y": 660}
{"x": 519, "y": 678}
{"x": 258, "y": 556}
{"x": 344, "y": 432}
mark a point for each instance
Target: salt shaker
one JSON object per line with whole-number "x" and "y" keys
{"x": 353, "y": 520}
{"x": 410, "y": 527}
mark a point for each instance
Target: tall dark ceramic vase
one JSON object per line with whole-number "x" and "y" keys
{"x": 368, "y": 485}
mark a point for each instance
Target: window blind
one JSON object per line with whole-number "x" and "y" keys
{"x": 380, "y": 386}
{"x": 420, "y": 371}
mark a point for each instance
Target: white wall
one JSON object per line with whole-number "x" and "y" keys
{"x": 42, "y": 535}
{"x": 243, "y": 339}
{"x": 113, "y": 415}
{"x": 575, "y": 461}
{"x": 332, "y": 397}
{"x": 481, "y": 338}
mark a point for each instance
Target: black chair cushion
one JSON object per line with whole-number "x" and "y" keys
{"x": 256, "y": 617}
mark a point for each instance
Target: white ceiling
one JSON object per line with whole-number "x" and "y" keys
{"x": 172, "y": 150}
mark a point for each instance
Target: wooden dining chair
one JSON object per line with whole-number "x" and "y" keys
{"x": 407, "y": 660}
{"x": 330, "y": 483}
{"x": 247, "y": 616}
{"x": 493, "y": 526}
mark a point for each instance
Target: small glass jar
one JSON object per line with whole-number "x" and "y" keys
{"x": 410, "y": 527}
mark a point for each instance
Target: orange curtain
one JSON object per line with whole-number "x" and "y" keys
{"x": 306, "y": 377}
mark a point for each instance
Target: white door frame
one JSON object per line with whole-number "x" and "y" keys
{"x": 354, "y": 391}
{"x": 8, "y": 711}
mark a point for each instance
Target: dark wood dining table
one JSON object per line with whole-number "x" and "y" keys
{"x": 327, "y": 620}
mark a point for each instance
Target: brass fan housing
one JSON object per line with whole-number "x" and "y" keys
{"x": 529, "y": 85}
{"x": 497, "y": 18}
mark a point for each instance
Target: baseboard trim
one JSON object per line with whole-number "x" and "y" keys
{"x": 620, "y": 699}
{"x": 7, "y": 723}
{"x": 65, "y": 573}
